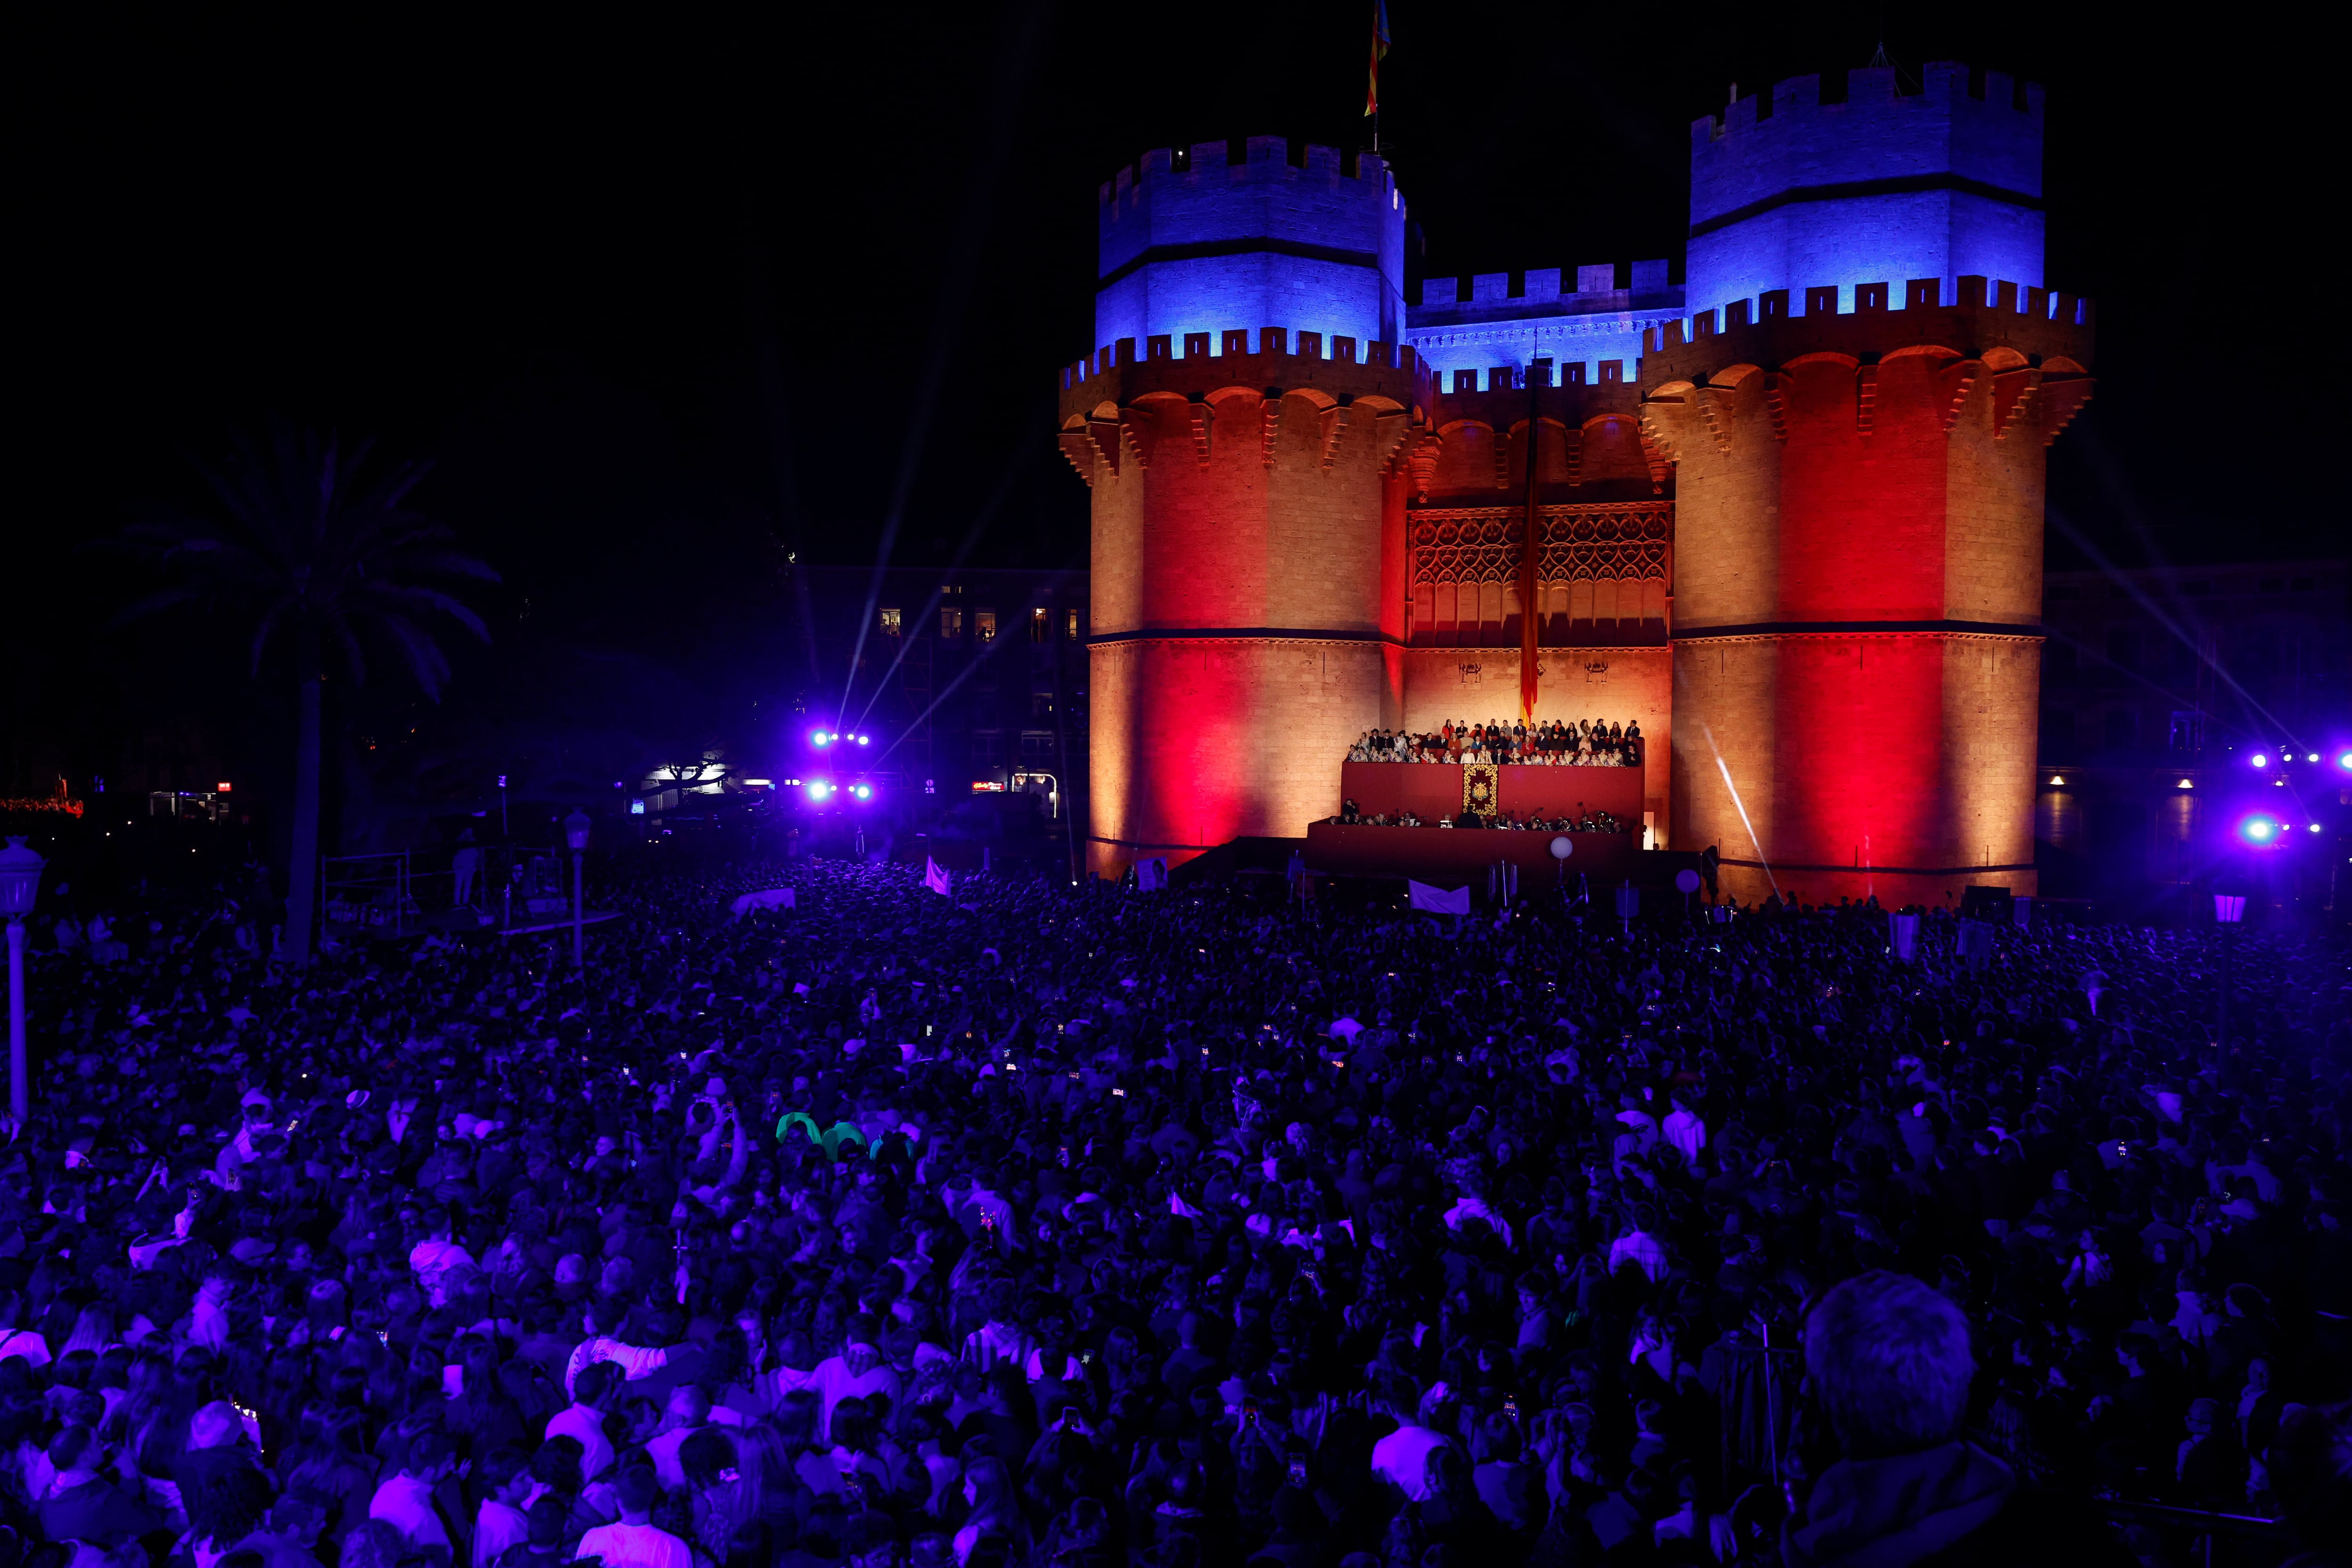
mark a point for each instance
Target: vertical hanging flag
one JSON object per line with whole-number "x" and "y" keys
{"x": 1380, "y": 48}
{"x": 1531, "y": 558}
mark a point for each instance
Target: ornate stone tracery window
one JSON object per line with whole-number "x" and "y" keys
{"x": 1607, "y": 560}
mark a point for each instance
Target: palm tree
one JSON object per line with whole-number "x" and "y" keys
{"x": 312, "y": 548}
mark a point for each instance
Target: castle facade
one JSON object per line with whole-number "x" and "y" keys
{"x": 1787, "y": 516}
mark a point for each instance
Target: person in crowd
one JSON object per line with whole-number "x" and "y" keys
{"x": 1055, "y": 1225}
{"x": 1585, "y": 743}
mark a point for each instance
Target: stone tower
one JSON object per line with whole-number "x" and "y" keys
{"x": 1859, "y": 413}
{"x": 1248, "y": 492}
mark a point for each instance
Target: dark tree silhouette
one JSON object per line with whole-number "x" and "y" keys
{"x": 312, "y": 546}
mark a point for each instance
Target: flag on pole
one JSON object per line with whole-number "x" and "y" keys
{"x": 935, "y": 877}
{"x": 1380, "y": 48}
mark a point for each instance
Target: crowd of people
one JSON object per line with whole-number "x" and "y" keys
{"x": 1354, "y": 815}
{"x": 1585, "y": 743}
{"x": 1047, "y": 1225}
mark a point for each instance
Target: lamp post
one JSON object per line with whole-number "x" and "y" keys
{"x": 20, "y": 880}
{"x": 575, "y": 833}
{"x": 2228, "y": 911}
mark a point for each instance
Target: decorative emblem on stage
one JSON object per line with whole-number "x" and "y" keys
{"x": 1478, "y": 788}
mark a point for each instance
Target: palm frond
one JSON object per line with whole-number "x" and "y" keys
{"x": 309, "y": 527}
{"x": 427, "y": 665}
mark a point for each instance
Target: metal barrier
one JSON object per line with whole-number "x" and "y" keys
{"x": 366, "y": 895}
{"x": 2207, "y": 1538}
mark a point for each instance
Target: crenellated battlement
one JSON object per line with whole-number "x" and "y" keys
{"x": 1787, "y": 191}
{"x": 1247, "y": 194}
{"x": 1982, "y": 130}
{"x": 2035, "y": 323}
{"x": 1260, "y": 159}
{"x": 1544, "y": 293}
{"x": 1268, "y": 360}
{"x": 1191, "y": 238}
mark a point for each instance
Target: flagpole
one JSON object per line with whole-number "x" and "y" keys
{"x": 1530, "y": 557}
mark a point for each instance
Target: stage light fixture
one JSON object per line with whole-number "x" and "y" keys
{"x": 819, "y": 738}
{"x": 2315, "y": 827}
{"x": 2311, "y": 756}
{"x": 818, "y": 789}
{"x": 863, "y": 792}
{"x": 2261, "y": 760}
{"x": 861, "y": 739}
{"x": 2259, "y": 830}
{"x": 2186, "y": 783}
{"x": 2345, "y": 762}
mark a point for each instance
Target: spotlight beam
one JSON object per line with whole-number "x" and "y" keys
{"x": 1024, "y": 454}
{"x": 1738, "y": 805}
{"x": 1011, "y": 77}
{"x": 2156, "y": 612}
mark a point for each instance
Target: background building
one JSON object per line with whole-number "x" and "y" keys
{"x": 968, "y": 682}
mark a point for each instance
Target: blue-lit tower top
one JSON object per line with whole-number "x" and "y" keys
{"x": 1788, "y": 191}
{"x": 1223, "y": 235}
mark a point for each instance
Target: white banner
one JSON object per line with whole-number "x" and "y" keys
{"x": 1903, "y": 931}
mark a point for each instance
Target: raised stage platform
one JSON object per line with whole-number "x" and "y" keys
{"x": 1432, "y": 790}
{"x": 1452, "y": 857}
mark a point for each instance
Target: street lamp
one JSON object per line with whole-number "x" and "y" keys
{"x": 2229, "y": 912}
{"x": 575, "y": 833}
{"x": 20, "y": 882}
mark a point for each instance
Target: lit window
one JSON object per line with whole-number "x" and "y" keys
{"x": 951, "y": 624}
{"x": 890, "y": 622}
{"x": 983, "y": 625}
{"x": 1041, "y": 624}
{"x": 1070, "y": 625}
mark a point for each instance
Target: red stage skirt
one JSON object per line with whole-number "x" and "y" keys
{"x": 1452, "y": 857}
{"x": 1432, "y": 790}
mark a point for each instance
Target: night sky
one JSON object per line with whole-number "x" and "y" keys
{"x": 665, "y": 296}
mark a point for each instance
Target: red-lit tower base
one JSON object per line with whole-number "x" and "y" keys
{"x": 1246, "y": 595}
{"x": 1858, "y": 595}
